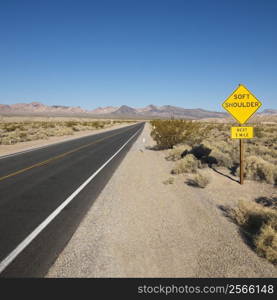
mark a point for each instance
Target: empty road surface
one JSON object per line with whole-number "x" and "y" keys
{"x": 44, "y": 193}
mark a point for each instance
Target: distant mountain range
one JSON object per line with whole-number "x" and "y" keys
{"x": 270, "y": 111}
{"x": 37, "y": 107}
{"x": 150, "y": 111}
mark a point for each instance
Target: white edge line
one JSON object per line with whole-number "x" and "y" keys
{"x": 58, "y": 142}
{"x": 4, "y": 263}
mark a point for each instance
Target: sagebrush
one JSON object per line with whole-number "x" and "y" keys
{"x": 168, "y": 133}
{"x": 22, "y": 131}
{"x": 200, "y": 180}
{"x": 212, "y": 146}
{"x": 259, "y": 224}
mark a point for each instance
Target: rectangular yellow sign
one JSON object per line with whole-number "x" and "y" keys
{"x": 242, "y": 132}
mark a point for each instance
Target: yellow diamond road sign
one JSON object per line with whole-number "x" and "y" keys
{"x": 241, "y": 104}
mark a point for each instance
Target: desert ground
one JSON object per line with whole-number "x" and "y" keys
{"x": 174, "y": 207}
{"x": 164, "y": 215}
{"x": 28, "y": 132}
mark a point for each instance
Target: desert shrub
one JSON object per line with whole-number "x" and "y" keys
{"x": 218, "y": 153}
{"x": 258, "y": 169}
{"x": 267, "y": 153}
{"x": 5, "y": 140}
{"x": 258, "y": 132}
{"x": 259, "y": 224}
{"x": 188, "y": 164}
{"x": 177, "y": 152}
{"x": 101, "y": 125}
{"x": 168, "y": 133}
{"x": 11, "y": 138}
{"x": 71, "y": 123}
{"x": 223, "y": 159}
{"x": 22, "y": 134}
{"x": 199, "y": 180}
{"x": 9, "y": 127}
{"x": 15, "y": 132}
{"x": 64, "y": 131}
{"x": 40, "y": 136}
{"x": 266, "y": 241}
{"x": 234, "y": 155}
{"x": 223, "y": 146}
{"x": 260, "y": 152}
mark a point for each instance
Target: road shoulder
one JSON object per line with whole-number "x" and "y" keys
{"x": 140, "y": 227}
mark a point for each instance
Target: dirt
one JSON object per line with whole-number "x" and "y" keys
{"x": 141, "y": 227}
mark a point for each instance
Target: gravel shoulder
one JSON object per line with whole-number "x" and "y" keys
{"x": 140, "y": 227}
{"x": 24, "y": 146}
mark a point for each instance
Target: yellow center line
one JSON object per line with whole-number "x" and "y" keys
{"x": 45, "y": 162}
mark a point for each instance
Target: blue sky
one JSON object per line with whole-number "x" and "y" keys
{"x": 136, "y": 52}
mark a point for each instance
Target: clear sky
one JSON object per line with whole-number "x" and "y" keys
{"x": 137, "y": 52}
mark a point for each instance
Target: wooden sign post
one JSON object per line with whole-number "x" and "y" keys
{"x": 241, "y": 152}
{"x": 241, "y": 105}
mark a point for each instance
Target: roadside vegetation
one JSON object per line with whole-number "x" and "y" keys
{"x": 258, "y": 224}
{"x": 12, "y": 132}
{"x": 168, "y": 133}
{"x": 200, "y": 180}
{"x": 195, "y": 146}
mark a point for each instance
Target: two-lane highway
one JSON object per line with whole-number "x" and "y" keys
{"x": 44, "y": 194}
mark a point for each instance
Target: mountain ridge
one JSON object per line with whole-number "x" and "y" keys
{"x": 151, "y": 110}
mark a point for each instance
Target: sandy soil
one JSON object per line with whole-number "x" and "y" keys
{"x": 10, "y": 149}
{"x": 140, "y": 227}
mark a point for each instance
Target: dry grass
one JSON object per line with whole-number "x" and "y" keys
{"x": 266, "y": 241}
{"x": 16, "y": 131}
{"x": 259, "y": 224}
{"x": 257, "y": 221}
{"x": 215, "y": 148}
{"x": 256, "y": 168}
{"x": 222, "y": 159}
{"x": 177, "y": 152}
{"x": 199, "y": 180}
{"x": 188, "y": 164}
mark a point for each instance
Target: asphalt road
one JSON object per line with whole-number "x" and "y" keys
{"x": 45, "y": 193}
